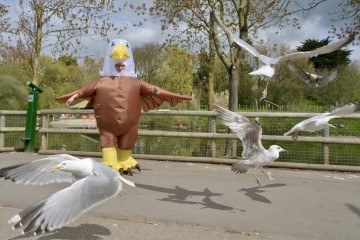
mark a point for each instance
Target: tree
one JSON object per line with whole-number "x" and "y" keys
{"x": 244, "y": 18}
{"x": 58, "y": 79}
{"x": 176, "y": 70}
{"x": 68, "y": 60}
{"x": 4, "y": 22}
{"x": 13, "y": 90}
{"x": 90, "y": 69}
{"x": 57, "y": 26}
{"x": 349, "y": 17}
{"x": 325, "y": 61}
{"x": 147, "y": 60}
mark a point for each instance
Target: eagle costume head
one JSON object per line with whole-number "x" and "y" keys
{"x": 118, "y": 52}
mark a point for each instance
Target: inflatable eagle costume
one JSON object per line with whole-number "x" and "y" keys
{"x": 117, "y": 99}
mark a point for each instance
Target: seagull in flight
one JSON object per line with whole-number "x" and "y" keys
{"x": 254, "y": 155}
{"x": 269, "y": 62}
{"x": 92, "y": 184}
{"x": 319, "y": 122}
{"x": 311, "y": 80}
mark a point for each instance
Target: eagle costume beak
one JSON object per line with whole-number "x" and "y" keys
{"x": 120, "y": 52}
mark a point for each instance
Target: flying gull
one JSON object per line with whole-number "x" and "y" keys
{"x": 93, "y": 183}
{"x": 311, "y": 80}
{"x": 254, "y": 154}
{"x": 319, "y": 122}
{"x": 268, "y": 69}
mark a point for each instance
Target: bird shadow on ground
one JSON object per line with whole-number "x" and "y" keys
{"x": 353, "y": 208}
{"x": 255, "y": 192}
{"x": 82, "y": 232}
{"x": 182, "y": 195}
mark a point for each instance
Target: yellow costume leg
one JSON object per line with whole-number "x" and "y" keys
{"x": 126, "y": 161}
{"x": 110, "y": 157}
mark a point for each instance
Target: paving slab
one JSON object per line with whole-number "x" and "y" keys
{"x": 177, "y": 200}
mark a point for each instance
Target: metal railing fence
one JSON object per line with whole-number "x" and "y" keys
{"x": 194, "y": 136}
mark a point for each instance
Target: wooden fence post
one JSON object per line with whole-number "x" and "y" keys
{"x": 44, "y": 136}
{"x": 212, "y": 140}
{"x": 326, "y": 133}
{"x": 2, "y": 134}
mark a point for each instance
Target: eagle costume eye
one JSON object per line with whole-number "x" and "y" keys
{"x": 127, "y": 45}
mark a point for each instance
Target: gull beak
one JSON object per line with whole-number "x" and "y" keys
{"x": 56, "y": 168}
{"x": 285, "y": 151}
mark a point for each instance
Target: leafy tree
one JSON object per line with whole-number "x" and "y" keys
{"x": 68, "y": 60}
{"x": 58, "y": 79}
{"x": 244, "y": 18}
{"x": 13, "y": 90}
{"x": 345, "y": 89}
{"x": 176, "y": 70}
{"x": 325, "y": 61}
{"x": 148, "y": 58}
{"x": 90, "y": 69}
{"x": 57, "y": 26}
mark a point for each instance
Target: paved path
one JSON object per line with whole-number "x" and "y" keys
{"x": 202, "y": 201}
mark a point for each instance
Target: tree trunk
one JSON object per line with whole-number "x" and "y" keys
{"x": 211, "y": 76}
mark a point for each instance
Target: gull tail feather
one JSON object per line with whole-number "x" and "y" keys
{"x": 26, "y": 219}
{"x": 240, "y": 167}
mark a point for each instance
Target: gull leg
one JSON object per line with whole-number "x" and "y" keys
{"x": 257, "y": 179}
{"x": 268, "y": 174}
{"x": 295, "y": 136}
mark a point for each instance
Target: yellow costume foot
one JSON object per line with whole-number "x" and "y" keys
{"x": 126, "y": 162}
{"x": 110, "y": 158}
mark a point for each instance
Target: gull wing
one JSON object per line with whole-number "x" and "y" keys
{"x": 265, "y": 59}
{"x": 347, "y": 109}
{"x": 68, "y": 204}
{"x": 38, "y": 172}
{"x": 299, "y": 72}
{"x": 248, "y": 132}
{"x": 309, "y": 124}
{"x": 303, "y": 75}
{"x": 325, "y": 80}
{"x": 330, "y": 47}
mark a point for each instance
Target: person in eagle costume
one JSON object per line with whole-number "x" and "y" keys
{"x": 117, "y": 99}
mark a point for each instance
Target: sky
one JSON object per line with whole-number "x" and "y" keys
{"x": 315, "y": 25}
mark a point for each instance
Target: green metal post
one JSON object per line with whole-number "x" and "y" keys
{"x": 29, "y": 140}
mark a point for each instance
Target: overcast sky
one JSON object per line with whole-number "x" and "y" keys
{"x": 315, "y": 25}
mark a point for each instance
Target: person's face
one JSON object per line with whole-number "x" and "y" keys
{"x": 119, "y": 67}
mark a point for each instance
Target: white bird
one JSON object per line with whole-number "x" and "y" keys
{"x": 93, "y": 183}
{"x": 268, "y": 69}
{"x": 312, "y": 80}
{"x": 254, "y": 154}
{"x": 319, "y": 122}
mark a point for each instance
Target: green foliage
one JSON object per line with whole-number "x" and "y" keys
{"x": 147, "y": 60}
{"x": 13, "y": 90}
{"x": 58, "y": 79}
{"x": 176, "y": 70}
{"x": 90, "y": 69}
{"x": 68, "y": 60}
{"x": 344, "y": 89}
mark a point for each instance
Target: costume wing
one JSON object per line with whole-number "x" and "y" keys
{"x": 86, "y": 104}
{"x": 153, "y": 97}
